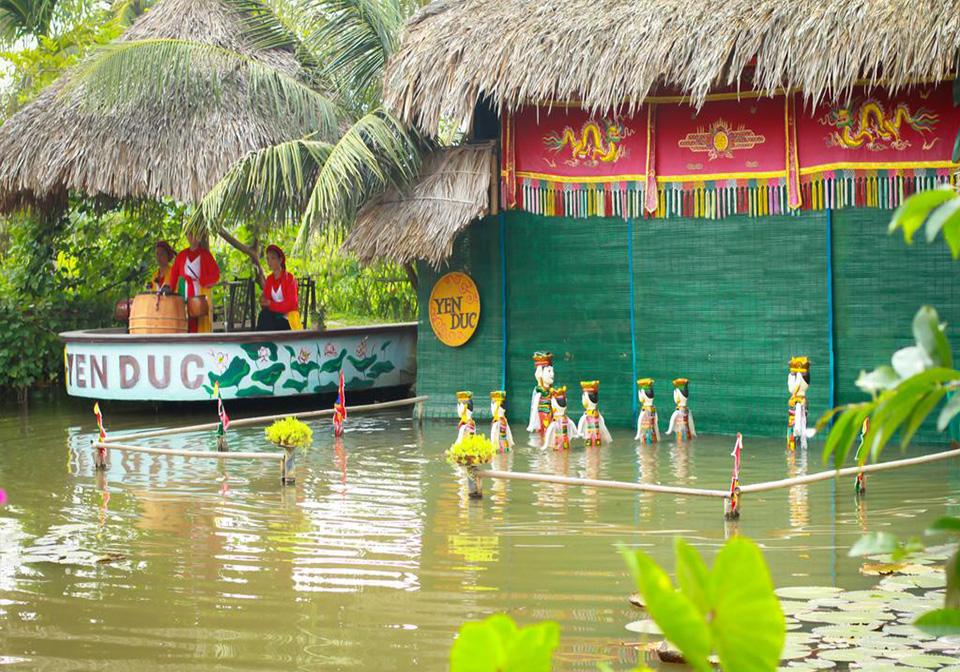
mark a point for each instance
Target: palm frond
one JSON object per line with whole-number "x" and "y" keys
{"x": 22, "y": 18}
{"x": 272, "y": 184}
{"x": 377, "y": 152}
{"x": 168, "y": 72}
{"x": 265, "y": 30}
{"x": 358, "y": 36}
{"x": 128, "y": 11}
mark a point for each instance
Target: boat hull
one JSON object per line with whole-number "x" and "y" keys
{"x": 110, "y": 364}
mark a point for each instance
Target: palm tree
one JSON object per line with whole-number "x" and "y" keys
{"x": 25, "y": 18}
{"x": 351, "y": 148}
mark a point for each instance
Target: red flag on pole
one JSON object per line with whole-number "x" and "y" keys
{"x": 96, "y": 412}
{"x": 339, "y": 408}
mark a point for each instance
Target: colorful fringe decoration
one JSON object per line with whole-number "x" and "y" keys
{"x": 832, "y": 190}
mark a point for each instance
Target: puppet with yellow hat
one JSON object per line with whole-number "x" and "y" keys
{"x": 561, "y": 430}
{"x": 591, "y": 427}
{"x": 500, "y": 434}
{"x": 465, "y": 411}
{"x": 797, "y": 382}
{"x": 648, "y": 426}
{"x": 681, "y": 421}
{"x": 540, "y": 404}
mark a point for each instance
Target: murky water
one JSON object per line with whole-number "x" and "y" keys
{"x": 376, "y": 556}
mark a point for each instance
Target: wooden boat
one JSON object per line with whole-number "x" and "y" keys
{"x": 111, "y": 364}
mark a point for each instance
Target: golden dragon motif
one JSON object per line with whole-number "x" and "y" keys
{"x": 868, "y": 125}
{"x": 597, "y": 142}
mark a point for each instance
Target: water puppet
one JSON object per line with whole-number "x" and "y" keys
{"x": 797, "y": 382}
{"x": 861, "y": 487}
{"x": 561, "y": 429}
{"x": 465, "y": 411}
{"x": 500, "y": 435}
{"x": 648, "y": 427}
{"x": 681, "y": 421}
{"x": 540, "y": 404}
{"x": 591, "y": 427}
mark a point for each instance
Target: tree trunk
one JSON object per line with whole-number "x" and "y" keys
{"x": 250, "y": 251}
{"x": 412, "y": 275}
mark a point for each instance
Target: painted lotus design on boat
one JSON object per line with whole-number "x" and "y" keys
{"x": 264, "y": 369}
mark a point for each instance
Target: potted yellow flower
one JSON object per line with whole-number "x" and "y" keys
{"x": 289, "y": 434}
{"x": 471, "y": 453}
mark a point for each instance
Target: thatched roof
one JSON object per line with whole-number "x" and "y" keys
{"x": 58, "y": 144}
{"x": 452, "y": 190}
{"x": 605, "y": 52}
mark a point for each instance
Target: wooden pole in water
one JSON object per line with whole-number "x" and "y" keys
{"x": 591, "y": 483}
{"x": 208, "y": 454}
{"x": 243, "y": 422}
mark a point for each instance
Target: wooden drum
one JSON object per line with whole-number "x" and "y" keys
{"x": 197, "y": 306}
{"x": 153, "y": 314}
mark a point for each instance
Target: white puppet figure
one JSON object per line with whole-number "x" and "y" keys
{"x": 540, "y": 404}
{"x": 797, "y": 382}
{"x": 681, "y": 421}
{"x": 500, "y": 434}
{"x": 561, "y": 429}
{"x": 591, "y": 427}
{"x": 465, "y": 411}
{"x": 648, "y": 426}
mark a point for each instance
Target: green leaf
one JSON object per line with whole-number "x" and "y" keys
{"x": 940, "y": 622}
{"x": 951, "y": 233}
{"x": 920, "y": 413}
{"x": 930, "y": 337}
{"x": 292, "y": 384}
{"x": 361, "y": 364}
{"x": 945, "y": 525}
{"x": 891, "y": 415}
{"x": 914, "y": 211}
{"x": 911, "y": 361}
{"x": 674, "y": 612}
{"x": 236, "y": 370}
{"x": 748, "y": 626}
{"x": 253, "y": 350}
{"x": 304, "y": 369}
{"x": 334, "y": 364}
{"x": 379, "y": 369}
{"x": 270, "y": 375}
{"x": 497, "y": 645}
{"x": 692, "y": 575}
{"x": 947, "y": 212}
{"x": 384, "y": 346}
{"x": 840, "y": 437}
{"x": 950, "y": 410}
{"x": 875, "y": 543}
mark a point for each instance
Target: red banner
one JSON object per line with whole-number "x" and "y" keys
{"x": 725, "y": 140}
{"x": 754, "y": 155}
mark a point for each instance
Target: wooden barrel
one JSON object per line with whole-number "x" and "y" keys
{"x": 148, "y": 316}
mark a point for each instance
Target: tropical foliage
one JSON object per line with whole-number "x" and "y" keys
{"x": 919, "y": 380}
{"x": 496, "y": 644}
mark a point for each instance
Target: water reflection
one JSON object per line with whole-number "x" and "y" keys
{"x": 376, "y": 556}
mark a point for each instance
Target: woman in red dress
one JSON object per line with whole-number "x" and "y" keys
{"x": 280, "y": 300}
{"x": 194, "y": 272}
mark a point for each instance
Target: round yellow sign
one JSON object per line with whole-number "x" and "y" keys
{"x": 454, "y": 309}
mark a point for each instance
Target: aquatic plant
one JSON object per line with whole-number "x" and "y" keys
{"x": 906, "y": 392}
{"x": 496, "y": 644}
{"x": 473, "y": 450}
{"x": 290, "y": 433}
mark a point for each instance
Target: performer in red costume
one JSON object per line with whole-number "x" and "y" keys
{"x": 280, "y": 299}
{"x": 194, "y": 272}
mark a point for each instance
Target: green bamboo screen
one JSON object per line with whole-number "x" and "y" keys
{"x": 724, "y": 303}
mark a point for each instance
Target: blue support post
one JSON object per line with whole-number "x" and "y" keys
{"x": 633, "y": 314}
{"x": 830, "y": 320}
{"x": 503, "y": 300}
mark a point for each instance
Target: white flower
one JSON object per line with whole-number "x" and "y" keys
{"x": 220, "y": 361}
{"x": 304, "y": 356}
{"x": 263, "y": 355}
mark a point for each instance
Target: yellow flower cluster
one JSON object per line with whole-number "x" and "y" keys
{"x": 290, "y": 433}
{"x": 474, "y": 449}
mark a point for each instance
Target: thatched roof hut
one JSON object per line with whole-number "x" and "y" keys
{"x": 611, "y": 53}
{"x": 452, "y": 190}
{"x": 58, "y": 144}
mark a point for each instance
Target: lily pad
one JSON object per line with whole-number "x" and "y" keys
{"x": 645, "y": 627}
{"x": 844, "y": 617}
{"x": 807, "y": 592}
{"x": 843, "y": 633}
{"x": 844, "y": 655}
{"x": 809, "y": 665}
{"x": 908, "y": 631}
{"x": 929, "y": 661}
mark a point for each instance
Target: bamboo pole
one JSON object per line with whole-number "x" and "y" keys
{"x": 209, "y": 454}
{"x": 725, "y": 494}
{"x": 613, "y": 485}
{"x": 849, "y": 471}
{"x": 242, "y": 422}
